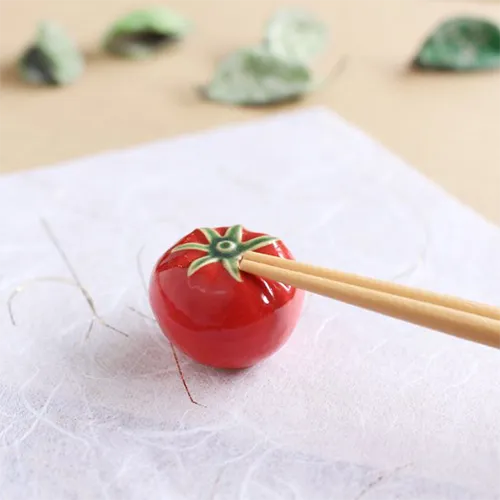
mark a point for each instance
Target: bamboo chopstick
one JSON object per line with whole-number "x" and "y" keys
{"x": 383, "y": 286}
{"x": 460, "y": 318}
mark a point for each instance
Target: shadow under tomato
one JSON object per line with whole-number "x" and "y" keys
{"x": 144, "y": 361}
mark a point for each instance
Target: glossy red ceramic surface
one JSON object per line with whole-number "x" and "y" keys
{"x": 216, "y": 319}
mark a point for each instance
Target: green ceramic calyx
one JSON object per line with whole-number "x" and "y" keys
{"x": 142, "y": 33}
{"x": 52, "y": 59}
{"x": 226, "y": 249}
{"x": 461, "y": 44}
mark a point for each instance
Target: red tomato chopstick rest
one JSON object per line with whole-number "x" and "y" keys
{"x": 214, "y": 313}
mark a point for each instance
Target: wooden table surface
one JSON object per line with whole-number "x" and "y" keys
{"x": 447, "y": 126}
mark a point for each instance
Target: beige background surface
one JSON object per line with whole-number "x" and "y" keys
{"x": 447, "y": 126}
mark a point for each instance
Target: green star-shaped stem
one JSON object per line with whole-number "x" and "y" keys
{"x": 226, "y": 249}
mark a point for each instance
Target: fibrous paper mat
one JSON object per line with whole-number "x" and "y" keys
{"x": 355, "y": 406}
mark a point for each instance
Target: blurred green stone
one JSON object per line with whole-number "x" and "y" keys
{"x": 142, "y": 33}
{"x": 295, "y": 35}
{"x": 461, "y": 44}
{"x": 52, "y": 59}
{"x": 254, "y": 76}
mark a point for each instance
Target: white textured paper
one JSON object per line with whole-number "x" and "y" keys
{"x": 355, "y": 406}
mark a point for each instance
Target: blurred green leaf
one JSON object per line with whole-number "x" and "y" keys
{"x": 461, "y": 44}
{"x": 52, "y": 59}
{"x": 142, "y": 33}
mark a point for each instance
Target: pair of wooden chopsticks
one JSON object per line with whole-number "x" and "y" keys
{"x": 459, "y": 317}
